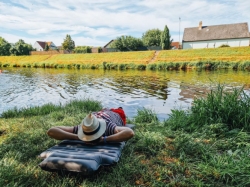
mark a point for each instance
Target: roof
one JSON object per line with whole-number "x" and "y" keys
{"x": 108, "y": 43}
{"x": 216, "y": 32}
{"x": 43, "y": 44}
{"x": 175, "y": 44}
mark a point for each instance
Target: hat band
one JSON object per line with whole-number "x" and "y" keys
{"x": 93, "y": 132}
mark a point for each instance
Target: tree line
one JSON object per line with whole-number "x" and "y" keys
{"x": 16, "y": 49}
{"x": 152, "y": 38}
{"x": 21, "y": 48}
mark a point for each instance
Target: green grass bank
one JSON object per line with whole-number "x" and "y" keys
{"x": 217, "y": 58}
{"x": 207, "y": 145}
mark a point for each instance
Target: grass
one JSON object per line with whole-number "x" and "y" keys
{"x": 207, "y": 145}
{"x": 117, "y": 60}
{"x": 215, "y": 58}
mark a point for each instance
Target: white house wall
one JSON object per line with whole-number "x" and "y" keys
{"x": 37, "y": 47}
{"x": 216, "y": 43}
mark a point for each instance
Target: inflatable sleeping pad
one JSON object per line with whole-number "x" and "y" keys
{"x": 76, "y": 156}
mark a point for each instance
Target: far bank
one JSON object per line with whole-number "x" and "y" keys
{"x": 217, "y": 58}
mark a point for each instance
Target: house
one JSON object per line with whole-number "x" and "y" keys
{"x": 175, "y": 45}
{"x": 108, "y": 44}
{"x": 234, "y": 35}
{"x": 40, "y": 46}
{"x": 106, "y": 48}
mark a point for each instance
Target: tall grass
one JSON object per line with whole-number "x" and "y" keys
{"x": 229, "y": 108}
{"x": 232, "y": 109}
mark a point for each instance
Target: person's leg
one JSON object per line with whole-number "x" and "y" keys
{"x": 62, "y": 133}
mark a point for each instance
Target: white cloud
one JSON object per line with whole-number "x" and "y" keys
{"x": 13, "y": 38}
{"x": 101, "y": 20}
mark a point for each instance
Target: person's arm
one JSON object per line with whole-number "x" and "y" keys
{"x": 62, "y": 133}
{"x": 120, "y": 134}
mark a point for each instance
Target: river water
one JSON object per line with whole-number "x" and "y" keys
{"x": 159, "y": 91}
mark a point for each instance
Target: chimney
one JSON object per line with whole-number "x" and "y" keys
{"x": 200, "y": 25}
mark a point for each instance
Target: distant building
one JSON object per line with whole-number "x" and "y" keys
{"x": 40, "y": 46}
{"x": 108, "y": 44}
{"x": 175, "y": 45}
{"x": 234, "y": 35}
{"x": 107, "y": 48}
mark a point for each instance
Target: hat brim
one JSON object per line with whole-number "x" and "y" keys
{"x": 95, "y": 136}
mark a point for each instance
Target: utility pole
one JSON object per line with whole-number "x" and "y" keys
{"x": 179, "y": 33}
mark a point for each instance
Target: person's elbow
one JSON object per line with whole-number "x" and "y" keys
{"x": 50, "y": 132}
{"x": 130, "y": 133}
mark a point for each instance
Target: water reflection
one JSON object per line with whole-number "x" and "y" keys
{"x": 158, "y": 90}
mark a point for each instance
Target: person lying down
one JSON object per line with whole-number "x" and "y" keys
{"x": 107, "y": 125}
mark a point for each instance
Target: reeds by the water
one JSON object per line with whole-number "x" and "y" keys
{"x": 208, "y": 65}
{"x": 219, "y": 107}
{"x": 207, "y": 145}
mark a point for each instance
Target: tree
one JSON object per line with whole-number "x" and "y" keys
{"x": 131, "y": 43}
{"x": 152, "y": 37}
{"x": 21, "y": 48}
{"x": 68, "y": 43}
{"x": 118, "y": 44}
{"x": 46, "y": 48}
{"x": 165, "y": 39}
{"x": 124, "y": 43}
{"x": 4, "y": 47}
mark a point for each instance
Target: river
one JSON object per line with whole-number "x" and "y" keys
{"x": 160, "y": 91}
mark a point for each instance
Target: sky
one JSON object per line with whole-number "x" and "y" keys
{"x": 96, "y": 22}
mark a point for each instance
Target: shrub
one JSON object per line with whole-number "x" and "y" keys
{"x": 224, "y": 45}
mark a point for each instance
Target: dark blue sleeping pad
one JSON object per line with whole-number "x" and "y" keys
{"x": 76, "y": 156}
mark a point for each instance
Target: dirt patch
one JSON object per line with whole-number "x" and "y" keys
{"x": 154, "y": 57}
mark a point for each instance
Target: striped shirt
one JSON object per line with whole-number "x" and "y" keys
{"x": 112, "y": 120}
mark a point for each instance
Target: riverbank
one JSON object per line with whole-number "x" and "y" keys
{"x": 207, "y": 146}
{"x": 217, "y": 58}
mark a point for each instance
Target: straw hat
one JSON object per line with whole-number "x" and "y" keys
{"x": 91, "y": 128}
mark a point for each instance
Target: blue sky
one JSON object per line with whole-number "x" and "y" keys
{"x": 96, "y": 22}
